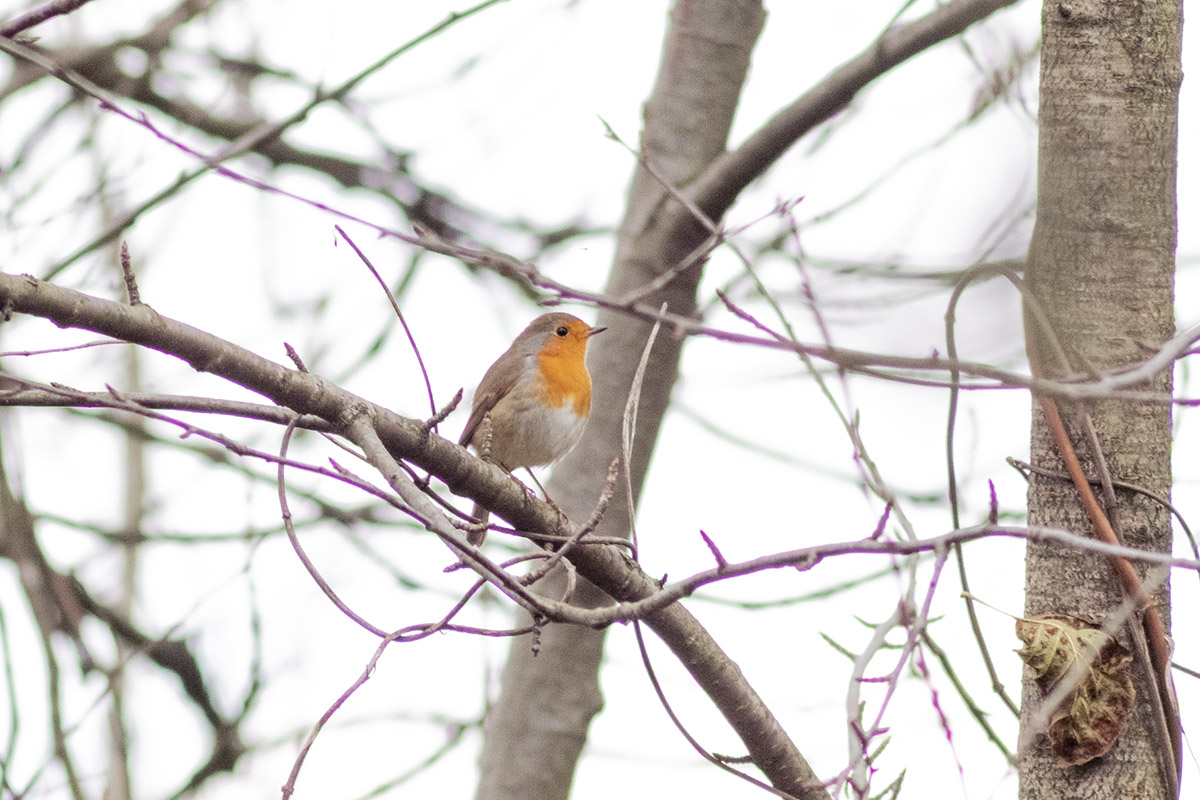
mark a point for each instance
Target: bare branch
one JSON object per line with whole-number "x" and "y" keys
{"x": 40, "y": 15}
{"x": 399, "y": 315}
{"x": 250, "y": 139}
{"x": 717, "y": 188}
{"x": 374, "y": 428}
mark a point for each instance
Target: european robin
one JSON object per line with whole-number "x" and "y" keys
{"x": 537, "y": 395}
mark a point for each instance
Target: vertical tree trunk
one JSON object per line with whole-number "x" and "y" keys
{"x": 535, "y": 733}
{"x": 1102, "y": 265}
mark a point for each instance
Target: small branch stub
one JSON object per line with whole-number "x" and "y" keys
{"x": 131, "y": 287}
{"x": 712, "y": 548}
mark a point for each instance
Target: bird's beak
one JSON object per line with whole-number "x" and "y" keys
{"x": 593, "y": 331}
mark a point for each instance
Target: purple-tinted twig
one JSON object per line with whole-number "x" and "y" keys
{"x": 40, "y": 15}
{"x": 712, "y": 548}
{"x": 84, "y": 346}
{"x": 131, "y": 403}
{"x": 399, "y": 315}
{"x": 290, "y": 786}
{"x": 245, "y": 143}
{"x": 723, "y": 762}
{"x": 981, "y": 716}
{"x": 629, "y": 425}
{"x": 981, "y": 272}
{"x": 871, "y": 476}
{"x": 1025, "y": 469}
{"x": 37, "y": 395}
{"x": 857, "y": 772}
{"x": 295, "y": 358}
{"x": 309, "y": 566}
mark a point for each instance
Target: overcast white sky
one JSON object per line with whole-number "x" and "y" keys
{"x": 505, "y": 113}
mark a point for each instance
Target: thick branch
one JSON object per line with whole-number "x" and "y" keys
{"x": 305, "y": 393}
{"x": 721, "y": 183}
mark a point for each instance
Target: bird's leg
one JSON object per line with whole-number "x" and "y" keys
{"x": 545, "y": 494}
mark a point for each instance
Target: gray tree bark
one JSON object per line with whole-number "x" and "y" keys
{"x": 536, "y": 731}
{"x": 1102, "y": 266}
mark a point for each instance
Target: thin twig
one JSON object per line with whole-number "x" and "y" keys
{"x": 309, "y": 566}
{"x": 980, "y": 272}
{"x": 290, "y": 785}
{"x": 68, "y": 349}
{"x": 61, "y": 751}
{"x": 724, "y": 763}
{"x": 400, "y": 316}
{"x": 610, "y": 486}
{"x": 629, "y": 426}
{"x": 914, "y": 621}
{"x": 872, "y": 478}
{"x": 1025, "y": 468}
{"x": 731, "y": 173}
{"x": 131, "y": 287}
{"x": 981, "y": 716}
{"x": 40, "y": 15}
{"x": 249, "y": 141}
{"x": 444, "y": 411}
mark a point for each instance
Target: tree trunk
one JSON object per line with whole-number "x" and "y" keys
{"x": 1102, "y": 266}
{"x": 535, "y": 733}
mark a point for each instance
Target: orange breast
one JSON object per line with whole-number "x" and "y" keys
{"x": 565, "y": 378}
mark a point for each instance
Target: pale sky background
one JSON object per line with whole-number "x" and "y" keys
{"x": 519, "y": 135}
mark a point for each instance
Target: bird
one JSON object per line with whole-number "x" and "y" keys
{"x": 537, "y": 397}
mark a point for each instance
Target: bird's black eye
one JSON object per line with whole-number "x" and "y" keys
{"x": 561, "y": 330}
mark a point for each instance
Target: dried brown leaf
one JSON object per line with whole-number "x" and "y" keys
{"x": 1091, "y": 717}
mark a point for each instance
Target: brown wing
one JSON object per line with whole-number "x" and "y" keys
{"x": 498, "y": 381}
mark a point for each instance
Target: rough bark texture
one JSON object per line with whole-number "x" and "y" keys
{"x": 535, "y": 733}
{"x": 1102, "y": 264}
